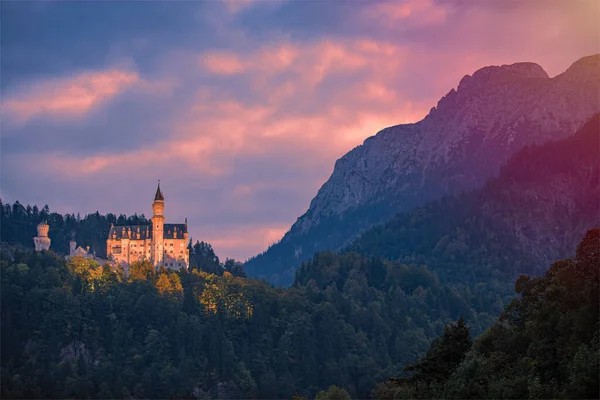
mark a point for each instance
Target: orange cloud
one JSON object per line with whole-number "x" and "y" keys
{"x": 68, "y": 96}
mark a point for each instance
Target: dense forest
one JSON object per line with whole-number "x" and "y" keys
{"x": 545, "y": 345}
{"x": 77, "y": 329}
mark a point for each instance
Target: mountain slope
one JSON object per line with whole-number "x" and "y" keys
{"x": 544, "y": 200}
{"x": 462, "y": 141}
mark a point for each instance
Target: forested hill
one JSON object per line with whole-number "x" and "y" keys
{"x": 546, "y": 344}
{"x": 18, "y": 226}
{"x": 74, "y": 329}
{"x": 545, "y": 198}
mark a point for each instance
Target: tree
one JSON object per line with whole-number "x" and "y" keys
{"x": 235, "y": 268}
{"x": 333, "y": 393}
{"x": 142, "y": 270}
{"x": 444, "y": 355}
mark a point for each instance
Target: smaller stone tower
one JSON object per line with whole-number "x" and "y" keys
{"x": 72, "y": 247}
{"x": 42, "y": 241}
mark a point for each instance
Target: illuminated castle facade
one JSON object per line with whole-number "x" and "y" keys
{"x": 160, "y": 243}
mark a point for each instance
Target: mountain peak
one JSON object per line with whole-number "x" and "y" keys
{"x": 494, "y": 73}
{"x": 584, "y": 64}
{"x": 458, "y": 146}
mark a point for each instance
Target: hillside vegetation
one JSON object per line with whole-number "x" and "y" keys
{"x": 545, "y": 345}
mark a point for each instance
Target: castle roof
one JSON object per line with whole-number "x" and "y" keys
{"x": 174, "y": 231}
{"x": 170, "y": 231}
{"x": 130, "y": 232}
{"x": 158, "y": 196}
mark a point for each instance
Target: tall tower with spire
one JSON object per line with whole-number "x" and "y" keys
{"x": 158, "y": 223}
{"x": 160, "y": 243}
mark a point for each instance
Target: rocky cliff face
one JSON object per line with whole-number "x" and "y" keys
{"x": 536, "y": 211}
{"x": 461, "y": 142}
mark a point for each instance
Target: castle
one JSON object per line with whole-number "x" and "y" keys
{"x": 160, "y": 243}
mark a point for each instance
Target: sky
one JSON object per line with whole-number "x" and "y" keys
{"x": 240, "y": 108}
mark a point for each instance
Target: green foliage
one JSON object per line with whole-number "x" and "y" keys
{"x": 169, "y": 284}
{"x": 544, "y": 345}
{"x": 333, "y": 393}
{"x": 77, "y": 329}
{"x": 142, "y": 271}
{"x": 444, "y": 355}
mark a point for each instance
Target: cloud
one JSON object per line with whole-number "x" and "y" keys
{"x": 407, "y": 13}
{"x": 256, "y": 154}
{"x": 222, "y": 63}
{"x": 235, "y": 6}
{"x": 67, "y": 97}
{"x": 243, "y": 126}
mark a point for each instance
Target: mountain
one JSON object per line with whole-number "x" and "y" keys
{"x": 461, "y": 143}
{"x": 544, "y": 200}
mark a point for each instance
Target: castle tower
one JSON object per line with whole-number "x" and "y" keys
{"x": 42, "y": 241}
{"x": 158, "y": 223}
{"x": 72, "y": 247}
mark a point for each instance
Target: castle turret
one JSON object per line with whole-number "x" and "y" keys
{"x": 72, "y": 246}
{"x": 42, "y": 241}
{"x": 158, "y": 223}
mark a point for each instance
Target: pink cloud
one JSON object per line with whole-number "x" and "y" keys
{"x": 209, "y": 134}
{"x": 222, "y": 63}
{"x": 410, "y": 13}
{"x": 313, "y": 62}
{"x": 234, "y": 6}
{"x": 67, "y": 97}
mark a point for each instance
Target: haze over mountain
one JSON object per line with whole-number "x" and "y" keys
{"x": 463, "y": 141}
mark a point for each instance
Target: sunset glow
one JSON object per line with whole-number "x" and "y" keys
{"x": 241, "y": 108}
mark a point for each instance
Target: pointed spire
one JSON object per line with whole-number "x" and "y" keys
{"x": 159, "y": 195}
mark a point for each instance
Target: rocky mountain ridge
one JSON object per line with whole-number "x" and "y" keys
{"x": 462, "y": 142}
